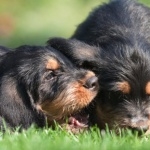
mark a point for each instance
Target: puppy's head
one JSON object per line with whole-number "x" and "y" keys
{"x": 124, "y": 99}
{"x": 54, "y": 85}
{"x": 124, "y": 78}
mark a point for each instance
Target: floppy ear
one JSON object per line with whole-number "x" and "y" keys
{"x": 79, "y": 52}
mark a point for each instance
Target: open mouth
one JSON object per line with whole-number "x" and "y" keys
{"x": 79, "y": 120}
{"x": 77, "y": 123}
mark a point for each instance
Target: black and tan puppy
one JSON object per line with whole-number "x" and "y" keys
{"x": 121, "y": 32}
{"x": 39, "y": 84}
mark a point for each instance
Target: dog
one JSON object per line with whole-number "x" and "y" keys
{"x": 117, "y": 35}
{"x": 39, "y": 85}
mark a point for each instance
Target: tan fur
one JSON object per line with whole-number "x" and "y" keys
{"x": 124, "y": 87}
{"x": 68, "y": 102}
{"x": 147, "y": 88}
{"x": 52, "y": 64}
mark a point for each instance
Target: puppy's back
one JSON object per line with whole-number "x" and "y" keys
{"x": 119, "y": 18}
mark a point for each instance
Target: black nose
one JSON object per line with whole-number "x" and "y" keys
{"x": 92, "y": 83}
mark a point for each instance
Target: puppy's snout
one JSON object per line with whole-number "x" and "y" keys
{"x": 140, "y": 128}
{"x": 92, "y": 83}
{"x": 140, "y": 123}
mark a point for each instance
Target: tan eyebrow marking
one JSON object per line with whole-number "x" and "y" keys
{"x": 124, "y": 87}
{"x": 52, "y": 64}
{"x": 147, "y": 88}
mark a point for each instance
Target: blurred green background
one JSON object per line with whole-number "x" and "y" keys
{"x": 35, "y": 21}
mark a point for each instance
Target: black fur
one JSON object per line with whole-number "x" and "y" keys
{"x": 38, "y": 84}
{"x": 121, "y": 32}
{"x": 3, "y": 50}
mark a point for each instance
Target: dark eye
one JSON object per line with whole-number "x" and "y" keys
{"x": 50, "y": 75}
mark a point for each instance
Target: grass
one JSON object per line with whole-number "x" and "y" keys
{"x": 44, "y": 139}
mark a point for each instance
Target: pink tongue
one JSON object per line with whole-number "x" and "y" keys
{"x": 77, "y": 123}
{"x": 73, "y": 121}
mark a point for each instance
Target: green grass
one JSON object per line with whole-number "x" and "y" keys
{"x": 48, "y": 139}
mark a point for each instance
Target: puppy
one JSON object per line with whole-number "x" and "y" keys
{"x": 121, "y": 32}
{"x": 39, "y": 85}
